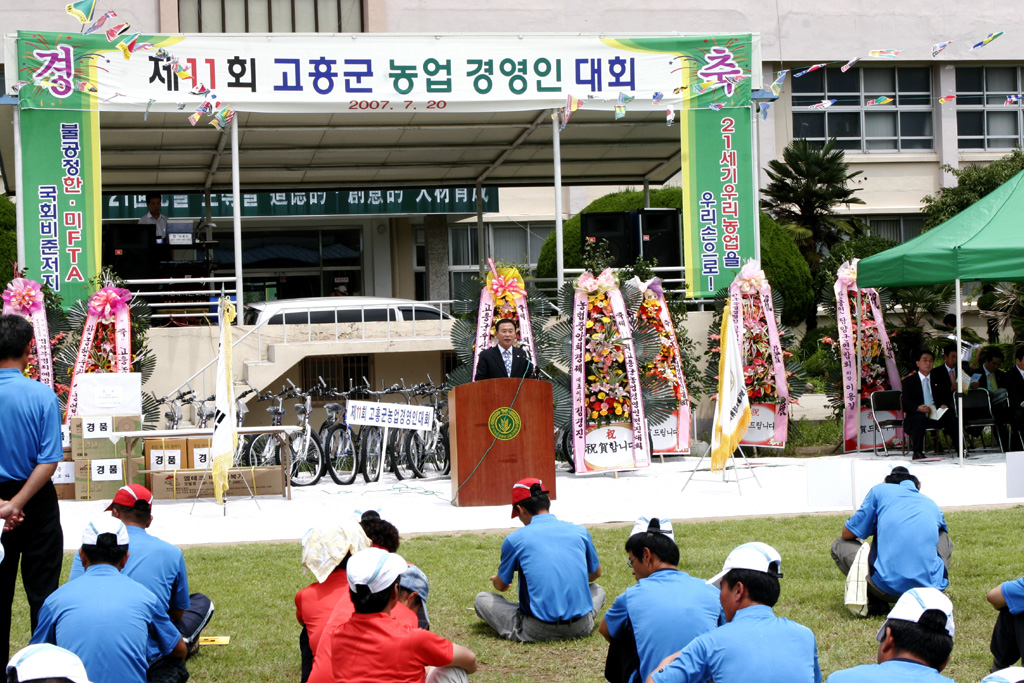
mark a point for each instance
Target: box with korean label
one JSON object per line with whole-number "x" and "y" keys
{"x": 90, "y": 437}
{"x": 100, "y": 478}
{"x": 64, "y": 478}
{"x": 163, "y": 454}
{"x": 199, "y": 456}
{"x": 260, "y": 481}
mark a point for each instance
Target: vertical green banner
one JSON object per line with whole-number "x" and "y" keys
{"x": 60, "y": 151}
{"x": 719, "y": 197}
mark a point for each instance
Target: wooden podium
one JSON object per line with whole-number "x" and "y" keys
{"x": 524, "y": 447}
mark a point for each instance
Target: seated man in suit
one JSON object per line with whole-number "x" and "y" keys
{"x": 920, "y": 404}
{"x": 989, "y": 376}
{"x": 1015, "y": 389}
{"x": 504, "y": 360}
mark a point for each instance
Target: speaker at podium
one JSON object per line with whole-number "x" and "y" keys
{"x": 517, "y": 417}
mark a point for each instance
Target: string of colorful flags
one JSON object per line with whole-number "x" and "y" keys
{"x": 128, "y": 44}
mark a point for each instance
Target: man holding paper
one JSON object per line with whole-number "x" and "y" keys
{"x": 919, "y": 405}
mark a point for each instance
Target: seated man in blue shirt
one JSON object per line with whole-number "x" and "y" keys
{"x": 754, "y": 645}
{"x": 557, "y": 563}
{"x": 157, "y": 565}
{"x": 914, "y": 642}
{"x": 911, "y": 545}
{"x": 1008, "y": 635}
{"x": 662, "y": 613}
{"x": 106, "y": 618}
{"x": 1013, "y": 674}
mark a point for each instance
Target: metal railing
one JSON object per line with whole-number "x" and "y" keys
{"x": 672, "y": 285}
{"x": 163, "y": 302}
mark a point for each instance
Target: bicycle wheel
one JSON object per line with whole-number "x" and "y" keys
{"x": 240, "y": 458}
{"x": 413, "y": 453}
{"x": 307, "y": 464}
{"x": 373, "y": 453}
{"x": 442, "y": 454}
{"x": 396, "y": 457}
{"x": 342, "y": 457}
{"x": 264, "y": 451}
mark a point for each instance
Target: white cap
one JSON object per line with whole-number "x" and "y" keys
{"x": 1013, "y": 674}
{"x": 755, "y": 556}
{"x": 655, "y": 525}
{"x": 375, "y": 568}
{"x": 47, "y": 661}
{"x": 104, "y": 525}
{"x": 914, "y": 603}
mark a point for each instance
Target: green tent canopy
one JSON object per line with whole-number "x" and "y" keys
{"x": 985, "y": 241}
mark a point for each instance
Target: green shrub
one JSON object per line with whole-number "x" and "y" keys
{"x": 627, "y": 200}
{"x": 8, "y": 240}
{"x": 787, "y": 271}
{"x": 810, "y": 344}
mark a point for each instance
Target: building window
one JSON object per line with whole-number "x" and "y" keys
{"x": 895, "y": 228}
{"x": 463, "y": 255}
{"x": 339, "y": 372}
{"x": 984, "y": 119}
{"x": 902, "y": 125}
{"x": 270, "y": 16}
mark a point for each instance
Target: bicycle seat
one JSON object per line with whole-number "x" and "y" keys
{"x": 333, "y": 408}
{"x": 273, "y": 410}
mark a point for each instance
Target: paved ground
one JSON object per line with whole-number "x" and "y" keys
{"x": 787, "y": 485}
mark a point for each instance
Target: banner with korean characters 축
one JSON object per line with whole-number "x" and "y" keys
{"x": 292, "y": 74}
{"x": 60, "y": 150}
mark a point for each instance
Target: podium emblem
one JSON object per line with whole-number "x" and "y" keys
{"x": 504, "y": 424}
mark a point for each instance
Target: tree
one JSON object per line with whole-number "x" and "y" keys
{"x": 806, "y": 186}
{"x": 8, "y": 240}
{"x": 786, "y": 271}
{"x": 972, "y": 183}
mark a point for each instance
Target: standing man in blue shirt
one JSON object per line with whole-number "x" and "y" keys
{"x": 557, "y": 563}
{"x": 913, "y": 644}
{"x": 106, "y": 618}
{"x": 754, "y": 645}
{"x": 157, "y": 565}
{"x": 911, "y": 547}
{"x": 662, "y": 613}
{"x": 30, "y": 448}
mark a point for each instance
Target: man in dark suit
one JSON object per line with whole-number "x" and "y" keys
{"x": 504, "y": 360}
{"x": 944, "y": 377}
{"x": 1014, "y": 382}
{"x": 919, "y": 403}
{"x": 993, "y": 379}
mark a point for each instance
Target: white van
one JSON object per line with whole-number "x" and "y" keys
{"x": 339, "y": 309}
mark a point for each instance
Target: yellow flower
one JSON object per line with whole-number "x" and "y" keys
{"x": 586, "y": 356}
{"x": 618, "y": 410}
{"x": 594, "y": 415}
{"x": 590, "y": 323}
{"x": 604, "y": 412}
{"x": 601, "y": 395}
{"x": 605, "y": 319}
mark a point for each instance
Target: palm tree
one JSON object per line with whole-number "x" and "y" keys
{"x": 806, "y": 186}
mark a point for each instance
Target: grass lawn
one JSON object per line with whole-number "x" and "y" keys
{"x": 253, "y": 586}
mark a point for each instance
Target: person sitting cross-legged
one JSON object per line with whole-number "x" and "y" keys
{"x": 755, "y": 645}
{"x": 371, "y": 647}
{"x": 1012, "y": 674}
{"x": 107, "y": 618}
{"x": 913, "y": 644}
{"x": 662, "y": 613}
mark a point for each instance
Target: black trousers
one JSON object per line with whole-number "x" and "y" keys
{"x": 38, "y": 544}
{"x": 1007, "y": 639}
{"x": 914, "y": 424}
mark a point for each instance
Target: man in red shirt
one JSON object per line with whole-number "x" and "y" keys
{"x": 325, "y": 552}
{"x": 372, "y": 647}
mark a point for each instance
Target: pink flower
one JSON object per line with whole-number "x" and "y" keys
{"x": 23, "y": 297}
{"x": 107, "y": 302}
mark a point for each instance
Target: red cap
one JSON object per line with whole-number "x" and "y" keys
{"x": 521, "y": 491}
{"x": 133, "y": 496}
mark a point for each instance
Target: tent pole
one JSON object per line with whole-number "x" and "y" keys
{"x": 19, "y": 189}
{"x": 556, "y": 150}
{"x": 860, "y": 361}
{"x": 237, "y": 207}
{"x": 960, "y": 376}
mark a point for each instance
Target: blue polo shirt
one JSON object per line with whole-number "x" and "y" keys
{"x": 156, "y": 564}
{"x": 554, "y": 560}
{"x": 906, "y": 527}
{"x": 892, "y": 671}
{"x": 755, "y": 646}
{"x": 29, "y": 425}
{"x": 107, "y": 620}
{"x": 667, "y": 609}
{"x": 1013, "y": 593}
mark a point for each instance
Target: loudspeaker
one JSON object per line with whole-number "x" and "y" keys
{"x": 615, "y": 227}
{"x": 661, "y": 237}
{"x": 130, "y": 250}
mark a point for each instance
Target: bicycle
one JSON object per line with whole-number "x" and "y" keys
{"x": 429, "y": 446}
{"x": 374, "y": 450}
{"x": 306, "y": 451}
{"x": 342, "y": 444}
{"x": 174, "y": 414}
{"x": 238, "y": 459}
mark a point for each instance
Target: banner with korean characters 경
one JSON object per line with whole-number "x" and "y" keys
{"x": 293, "y": 74}
{"x": 393, "y": 415}
{"x": 60, "y": 149}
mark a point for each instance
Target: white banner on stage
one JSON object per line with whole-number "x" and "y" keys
{"x": 393, "y": 415}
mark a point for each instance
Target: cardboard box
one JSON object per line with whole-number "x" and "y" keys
{"x": 64, "y": 478}
{"x": 166, "y": 453}
{"x": 263, "y": 481}
{"x": 100, "y": 478}
{"x": 199, "y": 457}
{"x": 90, "y": 437}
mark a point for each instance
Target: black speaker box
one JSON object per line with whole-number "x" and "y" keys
{"x": 615, "y": 227}
{"x": 661, "y": 237}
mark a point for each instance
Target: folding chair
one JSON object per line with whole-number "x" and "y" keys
{"x": 978, "y": 413}
{"x": 888, "y": 401}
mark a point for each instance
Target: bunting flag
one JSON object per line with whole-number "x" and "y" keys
{"x": 127, "y": 46}
{"x": 99, "y": 22}
{"x": 670, "y": 116}
{"x": 884, "y": 54}
{"x": 732, "y": 410}
{"x": 988, "y": 39}
{"x": 81, "y": 10}
{"x": 849, "y": 65}
{"x": 776, "y": 86}
{"x": 620, "y": 111}
{"x": 716, "y": 106}
{"x": 764, "y": 106}
{"x": 946, "y": 98}
{"x": 878, "y": 100}
{"x": 624, "y": 99}
{"x": 1011, "y": 99}
{"x": 824, "y": 104}
{"x": 809, "y": 70}
{"x": 656, "y": 98}
{"x": 225, "y": 428}
{"x": 571, "y": 105}
{"x": 114, "y": 31}
{"x": 939, "y": 47}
